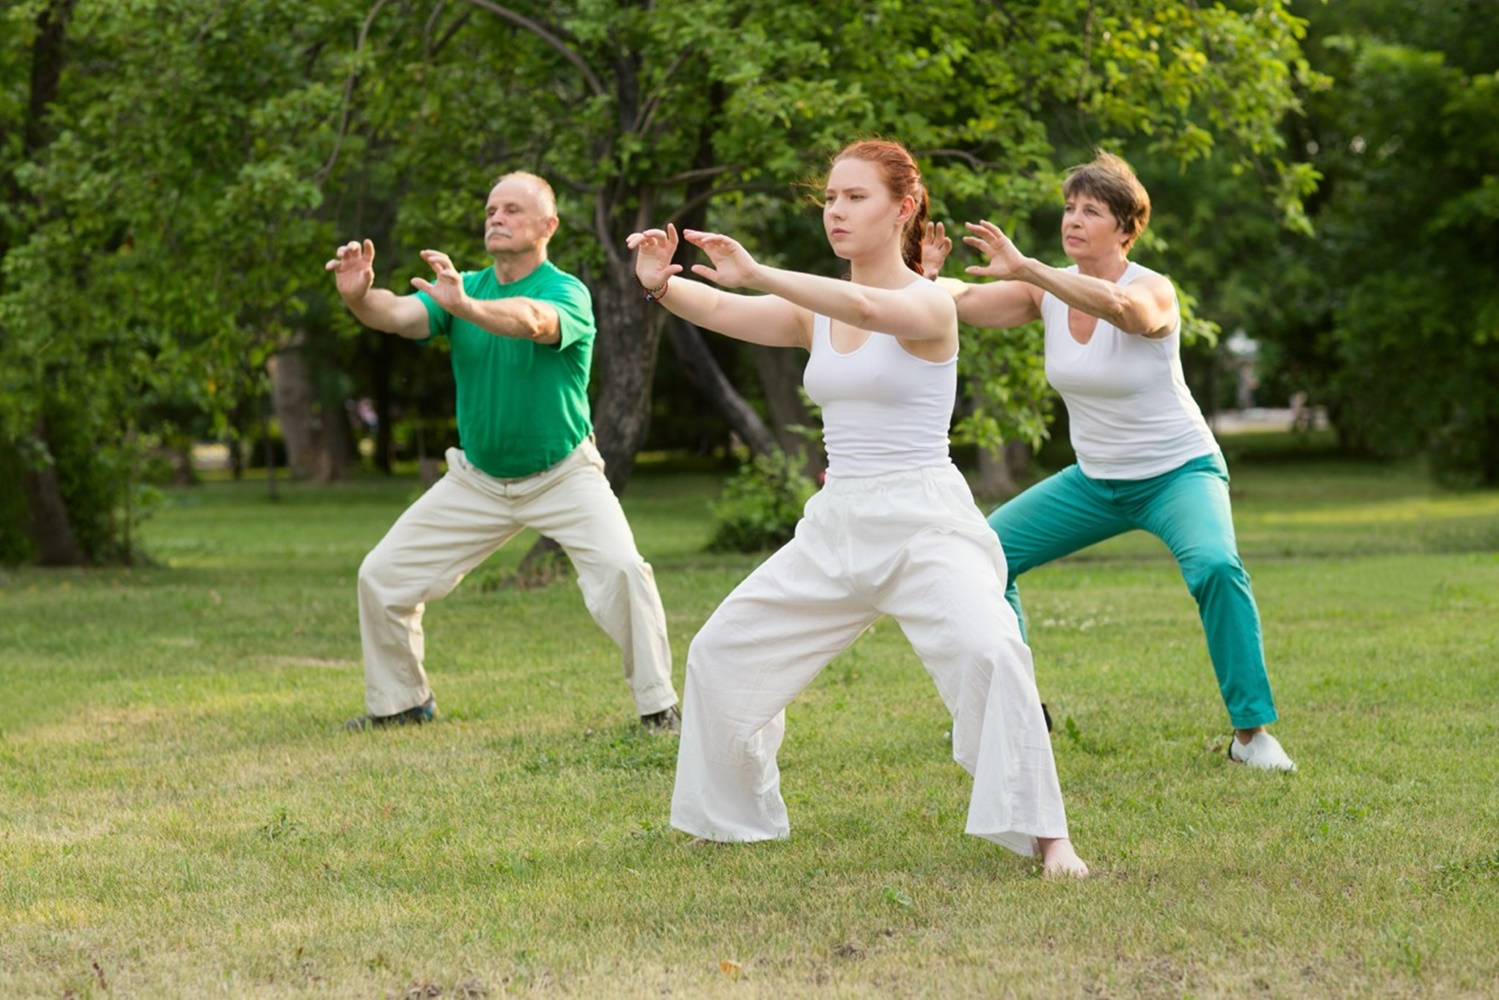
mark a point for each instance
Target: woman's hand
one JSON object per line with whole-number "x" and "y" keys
{"x": 732, "y": 264}
{"x": 654, "y": 250}
{"x": 988, "y": 239}
{"x": 935, "y": 246}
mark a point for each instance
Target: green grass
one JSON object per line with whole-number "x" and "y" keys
{"x": 180, "y": 814}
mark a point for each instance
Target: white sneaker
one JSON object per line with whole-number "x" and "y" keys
{"x": 1263, "y": 751}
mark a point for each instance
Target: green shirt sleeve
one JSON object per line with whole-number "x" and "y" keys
{"x": 439, "y": 320}
{"x": 574, "y": 306}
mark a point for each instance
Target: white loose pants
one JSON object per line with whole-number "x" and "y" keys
{"x": 911, "y": 545}
{"x": 467, "y": 515}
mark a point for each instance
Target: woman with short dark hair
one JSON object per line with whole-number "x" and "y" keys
{"x": 1145, "y": 456}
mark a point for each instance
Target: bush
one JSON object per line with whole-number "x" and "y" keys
{"x": 761, "y": 504}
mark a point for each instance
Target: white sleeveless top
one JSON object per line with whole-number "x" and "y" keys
{"x": 883, "y": 409}
{"x": 1128, "y": 406}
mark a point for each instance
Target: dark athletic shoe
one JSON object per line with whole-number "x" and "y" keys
{"x": 425, "y": 712}
{"x": 668, "y": 720}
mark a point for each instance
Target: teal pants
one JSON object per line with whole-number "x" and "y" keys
{"x": 1188, "y": 509}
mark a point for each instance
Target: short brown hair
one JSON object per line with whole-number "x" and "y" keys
{"x": 1109, "y": 179}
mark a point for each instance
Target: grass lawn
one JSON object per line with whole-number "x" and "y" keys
{"x": 181, "y": 814}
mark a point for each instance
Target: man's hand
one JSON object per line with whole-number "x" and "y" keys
{"x": 988, "y": 239}
{"x": 447, "y": 288}
{"x": 732, "y": 264}
{"x": 353, "y": 267}
{"x": 935, "y": 246}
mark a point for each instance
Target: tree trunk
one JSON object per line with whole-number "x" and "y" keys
{"x": 994, "y": 479}
{"x": 1000, "y": 469}
{"x": 49, "y": 527}
{"x": 319, "y": 441}
{"x": 780, "y": 373}
{"x": 708, "y": 378}
{"x": 625, "y": 356}
{"x": 295, "y": 405}
{"x": 50, "y": 530}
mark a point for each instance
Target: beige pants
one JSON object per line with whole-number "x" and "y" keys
{"x": 467, "y": 515}
{"x": 910, "y": 545}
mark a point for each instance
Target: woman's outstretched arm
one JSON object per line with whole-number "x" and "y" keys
{"x": 922, "y": 315}
{"x": 758, "y": 319}
{"x": 997, "y": 305}
{"x": 1146, "y": 307}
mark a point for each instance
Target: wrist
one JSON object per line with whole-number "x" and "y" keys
{"x": 655, "y": 293}
{"x": 1030, "y": 267}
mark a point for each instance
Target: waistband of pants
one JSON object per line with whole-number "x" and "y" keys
{"x": 511, "y": 480}
{"x": 847, "y": 485}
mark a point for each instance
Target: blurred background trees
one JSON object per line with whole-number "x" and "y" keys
{"x": 175, "y": 174}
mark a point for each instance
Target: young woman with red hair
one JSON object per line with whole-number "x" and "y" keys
{"x": 894, "y": 530}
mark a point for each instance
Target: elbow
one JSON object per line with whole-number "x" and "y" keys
{"x": 541, "y": 326}
{"x": 1122, "y": 314}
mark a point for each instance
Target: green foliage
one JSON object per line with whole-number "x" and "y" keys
{"x": 761, "y": 504}
{"x": 1389, "y": 313}
{"x": 202, "y": 160}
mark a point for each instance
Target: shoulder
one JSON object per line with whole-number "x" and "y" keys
{"x": 1139, "y": 274}
{"x": 933, "y": 295}
{"x": 552, "y": 284}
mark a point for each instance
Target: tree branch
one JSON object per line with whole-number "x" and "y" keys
{"x": 709, "y": 195}
{"x": 648, "y": 107}
{"x": 698, "y": 173}
{"x": 343, "y": 120}
{"x": 961, "y": 154}
{"x": 542, "y": 32}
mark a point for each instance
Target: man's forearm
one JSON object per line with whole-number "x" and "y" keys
{"x": 382, "y": 309}
{"x": 521, "y": 318}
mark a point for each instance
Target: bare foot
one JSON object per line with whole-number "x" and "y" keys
{"x": 1059, "y": 860}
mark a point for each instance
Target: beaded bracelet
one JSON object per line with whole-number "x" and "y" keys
{"x": 657, "y": 294}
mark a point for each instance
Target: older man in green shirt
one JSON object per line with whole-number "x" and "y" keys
{"x": 521, "y": 334}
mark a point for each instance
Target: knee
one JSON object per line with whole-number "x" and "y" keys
{"x": 381, "y": 582}
{"x": 614, "y": 575}
{"x": 1209, "y": 570}
{"x": 371, "y": 572}
{"x": 706, "y": 649}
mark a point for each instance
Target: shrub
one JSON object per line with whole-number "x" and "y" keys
{"x": 761, "y": 504}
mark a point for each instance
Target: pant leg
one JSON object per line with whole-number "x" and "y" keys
{"x": 760, "y": 648}
{"x": 448, "y": 531}
{"x": 1054, "y": 518}
{"x": 576, "y": 508}
{"x": 1189, "y": 510}
{"x": 948, "y": 601}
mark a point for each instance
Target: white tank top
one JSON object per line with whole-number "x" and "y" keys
{"x": 883, "y": 409}
{"x": 1130, "y": 413}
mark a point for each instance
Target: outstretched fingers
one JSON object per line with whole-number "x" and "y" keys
{"x": 440, "y": 263}
{"x": 352, "y": 255}
{"x": 654, "y": 240}
{"x": 984, "y": 236}
{"x": 654, "y": 249}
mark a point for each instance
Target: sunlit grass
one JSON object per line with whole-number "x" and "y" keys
{"x": 181, "y": 815}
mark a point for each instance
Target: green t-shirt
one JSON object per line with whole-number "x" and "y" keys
{"x": 522, "y": 406}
